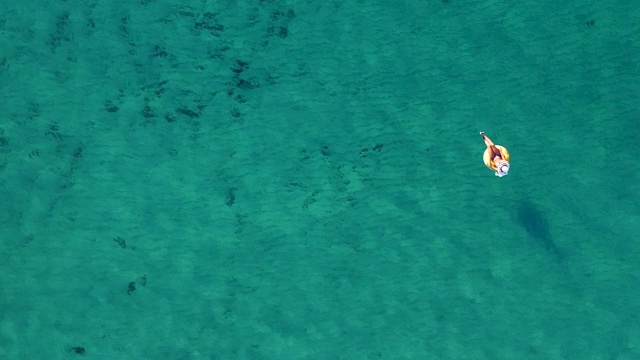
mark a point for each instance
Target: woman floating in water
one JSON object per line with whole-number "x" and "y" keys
{"x": 496, "y": 157}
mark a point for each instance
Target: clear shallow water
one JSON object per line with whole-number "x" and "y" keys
{"x": 270, "y": 180}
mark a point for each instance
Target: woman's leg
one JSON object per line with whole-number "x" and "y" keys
{"x": 492, "y": 148}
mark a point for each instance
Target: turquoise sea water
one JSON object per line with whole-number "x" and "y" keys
{"x": 304, "y": 180}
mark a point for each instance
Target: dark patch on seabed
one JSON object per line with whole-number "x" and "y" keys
{"x": 535, "y": 223}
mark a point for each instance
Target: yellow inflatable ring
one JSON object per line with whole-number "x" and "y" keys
{"x": 489, "y": 162}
